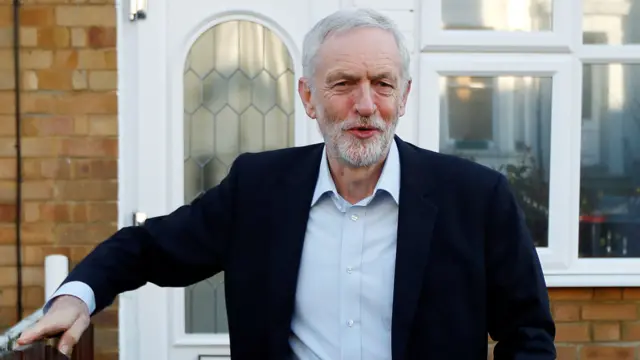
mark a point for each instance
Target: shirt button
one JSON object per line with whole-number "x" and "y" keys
{"x": 354, "y": 217}
{"x": 349, "y": 270}
{"x": 350, "y": 323}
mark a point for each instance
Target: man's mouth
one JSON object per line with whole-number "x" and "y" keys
{"x": 363, "y": 132}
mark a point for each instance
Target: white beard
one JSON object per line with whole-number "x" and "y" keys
{"x": 355, "y": 152}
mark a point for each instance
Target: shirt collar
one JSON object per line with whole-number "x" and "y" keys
{"x": 389, "y": 180}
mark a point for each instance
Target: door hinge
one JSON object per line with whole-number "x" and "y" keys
{"x": 137, "y": 10}
{"x": 139, "y": 218}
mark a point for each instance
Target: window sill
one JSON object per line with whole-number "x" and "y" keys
{"x": 592, "y": 280}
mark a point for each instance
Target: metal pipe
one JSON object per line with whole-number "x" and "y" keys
{"x": 18, "y": 123}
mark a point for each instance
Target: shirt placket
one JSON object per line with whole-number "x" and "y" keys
{"x": 350, "y": 282}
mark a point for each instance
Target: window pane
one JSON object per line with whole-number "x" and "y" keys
{"x": 238, "y": 97}
{"x": 498, "y": 15}
{"x": 611, "y": 22}
{"x": 610, "y": 162}
{"x": 504, "y": 123}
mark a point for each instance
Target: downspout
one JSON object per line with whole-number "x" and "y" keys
{"x": 18, "y": 123}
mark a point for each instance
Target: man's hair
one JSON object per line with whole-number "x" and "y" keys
{"x": 345, "y": 20}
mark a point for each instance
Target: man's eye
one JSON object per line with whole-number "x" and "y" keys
{"x": 342, "y": 83}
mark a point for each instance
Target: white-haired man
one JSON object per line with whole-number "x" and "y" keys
{"x": 363, "y": 247}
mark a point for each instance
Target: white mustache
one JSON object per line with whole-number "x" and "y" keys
{"x": 374, "y": 123}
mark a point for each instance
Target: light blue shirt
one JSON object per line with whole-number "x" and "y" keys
{"x": 344, "y": 296}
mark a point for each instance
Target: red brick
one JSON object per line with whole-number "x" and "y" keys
{"x": 571, "y": 294}
{"x": 34, "y": 255}
{"x": 48, "y": 125}
{"x": 617, "y": 311}
{"x": 607, "y": 294}
{"x": 6, "y": 15}
{"x": 33, "y": 296}
{"x": 8, "y": 169}
{"x": 36, "y": 147}
{"x": 101, "y": 37}
{"x": 8, "y": 296}
{"x": 566, "y": 352}
{"x": 572, "y": 332}
{"x": 8, "y": 316}
{"x": 37, "y": 15}
{"x": 7, "y": 256}
{"x": 631, "y": 331}
{"x": 8, "y": 276}
{"x": 7, "y": 234}
{"x": 85, "y": 15}
{"x": 631, "y": 293}
{"x": 609, "y": 331}
{"x": 53, "y": 37}
{"x": 71, "y": 103}
{"x": 36, "y": 59}
{"x": 90, "y": 147}
{"x": 54, "y": 79}
{"x": 7, "y": 212}
{"x": 95, "y": 169}
{"x": 595, "y": 352}
{"x": 65, "y": 59}
{"x": 7, "y": 124}
{"x": 38, "y": 233}
{"x": 86, "y": 190}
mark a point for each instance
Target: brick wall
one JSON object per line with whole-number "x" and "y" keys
{"x": 597, "y": 324}
{"x": 69, "y": 138}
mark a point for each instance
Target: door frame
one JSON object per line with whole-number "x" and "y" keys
{"x": 146, "y": 315}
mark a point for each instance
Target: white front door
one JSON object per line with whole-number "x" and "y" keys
{"x": 200, "y": 82}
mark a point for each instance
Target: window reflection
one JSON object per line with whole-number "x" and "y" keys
{"x": 504, "y": 123}
{"x": 610, "y": 161}
{"x": 611, "y": 22}
{"x": 500, "y": 15}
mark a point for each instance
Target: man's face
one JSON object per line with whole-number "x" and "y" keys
{"x": 358, "y": 94}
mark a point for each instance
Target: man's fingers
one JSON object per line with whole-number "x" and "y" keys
{"x": 71, "y": 337}
{"x": 46, "y": 326}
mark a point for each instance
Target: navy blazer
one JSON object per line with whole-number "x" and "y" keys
{"x": 466, "y": 264}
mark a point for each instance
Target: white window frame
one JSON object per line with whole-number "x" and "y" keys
{"x": 559, "y": 54}
{"x": 434, "y": 38}
{"x": 554, "y": 257}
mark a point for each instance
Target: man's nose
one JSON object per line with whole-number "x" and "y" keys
{"x": 365, "y": 105}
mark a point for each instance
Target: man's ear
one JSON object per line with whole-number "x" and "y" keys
{"x": 304, "y": 90}
{"x": 405, "y": 96}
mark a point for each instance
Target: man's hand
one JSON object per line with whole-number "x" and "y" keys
{"x": 68, "y": 315}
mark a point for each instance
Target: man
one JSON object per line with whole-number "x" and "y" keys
{"x": 364, "y": 247}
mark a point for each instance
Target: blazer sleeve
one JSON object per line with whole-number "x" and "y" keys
{"x": 179, "y": 249}
{"x": 519, "y": 316}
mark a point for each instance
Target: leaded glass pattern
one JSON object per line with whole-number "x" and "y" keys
{"x": 238, "y": 97}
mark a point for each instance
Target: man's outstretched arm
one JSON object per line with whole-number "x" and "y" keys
{"x": 177, "y": 250}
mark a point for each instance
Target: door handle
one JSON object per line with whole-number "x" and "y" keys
{"x": 137, "y": 9}
{"x": 139, "y": 218}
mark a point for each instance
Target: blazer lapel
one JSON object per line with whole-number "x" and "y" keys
{"x": 416, "y": 218}
{"x": 288, "y": 216}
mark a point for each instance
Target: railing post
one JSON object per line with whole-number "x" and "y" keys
{"x": 56, "y": 269}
